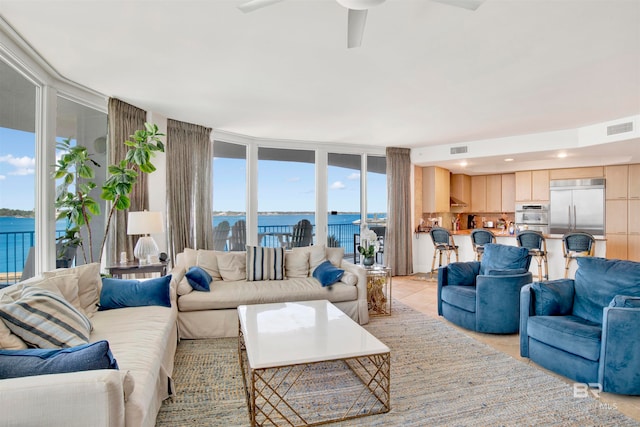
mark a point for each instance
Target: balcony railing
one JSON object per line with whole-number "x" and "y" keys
{"x": 14, "y": 249}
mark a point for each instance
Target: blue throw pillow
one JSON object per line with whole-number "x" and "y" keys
{"x": 462, "y": 273}
{"x": 553, "y": 298}
{"x": 199, "y": 279}
{"x": 120, "y": 293}
{"x": 327, "y": 274}
{"x": 40, "y": 361}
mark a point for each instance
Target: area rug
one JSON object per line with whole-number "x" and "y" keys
{"x": 439, "y": 377}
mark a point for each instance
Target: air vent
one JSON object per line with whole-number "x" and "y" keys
{"x": 459, "y": 150}
{"x": 621, "y": 128}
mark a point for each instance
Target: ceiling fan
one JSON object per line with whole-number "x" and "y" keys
{"x": 357, "y": 16}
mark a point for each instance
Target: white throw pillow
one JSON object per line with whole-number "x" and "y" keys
{"x": 66, "y": 285}
{"x": 349, "y": 278}
{"x": 296, "y": 263}
{"x": 89, "y": 284}
{"x": 208, "y": 261}
{"x": 188, "y": 257}
{"x": 8, "y": 340}
{"x": 335, "y": 255}
{"x": 184, "y": 287}
{"x": 317, "y": 256}
{"x": 232, "y": 265}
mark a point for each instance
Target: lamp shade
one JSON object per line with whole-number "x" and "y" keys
{"x": 145, "y": 222}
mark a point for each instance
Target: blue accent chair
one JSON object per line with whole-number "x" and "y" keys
{"x": 587, "y": 328}
{"x": 485, "y": 296}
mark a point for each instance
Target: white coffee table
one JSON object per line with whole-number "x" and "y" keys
{"x": 279, "y": 347}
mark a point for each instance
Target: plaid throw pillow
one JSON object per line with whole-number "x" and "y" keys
{"x": 265, "y": 263}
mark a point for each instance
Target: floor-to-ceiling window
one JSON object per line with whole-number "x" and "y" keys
{"x": 343, "y": 197}
{"x": 17, "y": 173}
{"x": 377, "y": 199}
{"x": 229, "y": 195}
{"x": 286, "y": 197}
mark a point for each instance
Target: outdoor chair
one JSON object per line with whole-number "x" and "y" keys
{"x": 238, "y": 239}
{"x": 220, "y": 236}
{"x": 302, "y": 234}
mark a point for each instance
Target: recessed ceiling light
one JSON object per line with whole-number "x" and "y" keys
{"x": 508, "y": 159}
{"x": 463, "y": 163}
{"x": 562, "y": 155}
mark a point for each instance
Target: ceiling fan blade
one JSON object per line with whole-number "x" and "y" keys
{"x": 355, "y": 27}
{"x": 466, "y": 4}
{"x": 252, "y": 5}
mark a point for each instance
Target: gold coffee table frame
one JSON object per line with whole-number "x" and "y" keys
{"x": 278, "y": 393}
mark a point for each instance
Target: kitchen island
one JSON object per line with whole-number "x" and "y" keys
{"x": 423, "y": 252}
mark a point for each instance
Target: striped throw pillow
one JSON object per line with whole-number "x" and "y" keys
{"x": 265, "y": 263}
{"x": 45, "y": 319}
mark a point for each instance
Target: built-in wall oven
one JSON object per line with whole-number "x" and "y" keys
{"x": 532, "y": 217}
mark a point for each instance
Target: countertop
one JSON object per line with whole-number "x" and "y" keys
{"x": 504, "y": 234}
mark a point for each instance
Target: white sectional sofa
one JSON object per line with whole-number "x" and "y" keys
{"x": 213, "y": 314}
{"x": 143, "y": 341}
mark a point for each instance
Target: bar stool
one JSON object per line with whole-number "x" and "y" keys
{"x": 576, "y": 244}
{"x": 479, "y": 238}
{"x": 442, "y": 242}
{"x": 537, "y": 245}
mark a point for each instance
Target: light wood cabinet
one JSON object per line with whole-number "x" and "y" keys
{"x": 508, "y": 192}
{"x": 617, "y": 182}
{"x": 633, "y": 247}
{"x": 479, "y": 193}
{"x": 435, "y": 189}
{"x": 523, "y": 186}
{"x": 494, "y": 193}
{"x": 577, "y": 173}
{"x": 540, "y": 185}
{"x": 633, "y": 221}
{"x": 634, "y": 181}
{"x": 616, "y": 217}
{"x": 616, "y": 246}
{"x": 461, "y": 187}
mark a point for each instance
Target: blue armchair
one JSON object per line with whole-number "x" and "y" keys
{"x": 485, "y": 296}
{"x": 587, "y": 328}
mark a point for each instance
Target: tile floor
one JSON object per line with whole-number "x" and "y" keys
{"x": 420, "y": 293}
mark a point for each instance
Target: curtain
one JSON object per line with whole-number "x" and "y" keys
{"x": 399, "y": 229}
{"x": 124, "y": 119}
{"x": 189, "y": 187}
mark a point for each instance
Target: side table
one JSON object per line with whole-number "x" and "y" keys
{"x": 379, "y": 290}
{"x": 117, "y": 270}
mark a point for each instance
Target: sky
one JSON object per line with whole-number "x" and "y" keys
{"x": 283, "y": 186}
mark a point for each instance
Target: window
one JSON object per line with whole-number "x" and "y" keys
{"x": 286, "y": 197}
{"x": 377, "y": 199}
{"x": 17, "y": 174}
{"x": 229, "y": 195}
{"x": 343, "y": 196}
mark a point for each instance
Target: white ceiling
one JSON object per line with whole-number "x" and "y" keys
{"x": 426, "y": 74}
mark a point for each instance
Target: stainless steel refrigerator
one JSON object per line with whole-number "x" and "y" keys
{"x": 577, "y": 205}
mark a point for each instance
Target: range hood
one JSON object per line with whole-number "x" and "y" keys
{"x": 457, "y": 202}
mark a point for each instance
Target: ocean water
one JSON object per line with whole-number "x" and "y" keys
{"x": 17, "y": 234}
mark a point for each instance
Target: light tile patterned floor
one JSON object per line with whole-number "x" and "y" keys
{"x": 420, "y": 293}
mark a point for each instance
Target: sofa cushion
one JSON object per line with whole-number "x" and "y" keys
{"x": 120, "y": 293}
{"x": 317, "y": 255}
{"x": 208, "y": 260}
{"x": 198, "y": 278}
{"x": 462, "y": 273}
{"x": 37, "y": 361}
{"x": 349, "y": 278}
{"x": 568, "y": 333}
{"x": 505, "y": 271}
{"x": 553, "y": 298}
{"x": 265, "y": 263}
{"x": 45, "y": 319}
{"x": 599, "y": 280}
{"x": 65, "y": 284}
{"x": 89, "y": 282}
{"x": 625, "y": 301}
{"x": 327, "y": 274}
{"x": 503, "y": 257}
{"x": 232, "y": 265}
{"x": 229, "y": 295}
{"x": 335, "y": 255}
{"x": 463, "y": 297}
{"x": 296, "y": 263}
{"x": 9, "y": 340}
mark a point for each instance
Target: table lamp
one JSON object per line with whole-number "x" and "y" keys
{"x": 145, "y": 223}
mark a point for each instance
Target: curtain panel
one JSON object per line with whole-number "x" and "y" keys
{"x": 189, "y": 187}
{"x": 124, "y": 119}
{"x": 398, "y": 243}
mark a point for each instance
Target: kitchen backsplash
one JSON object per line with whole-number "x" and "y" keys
{"x": 448, "y": 218}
